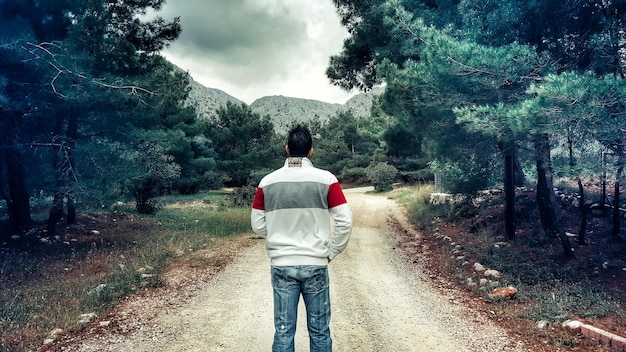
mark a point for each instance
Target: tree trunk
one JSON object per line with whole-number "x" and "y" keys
{"x": 509, "y": 196}
{"x": 546, "y": 199}
{"x": 513, "y": 175}
{"x": 581, "y": 190}
{"x": 56, "y": 213}
{"x": 58, "y": 159}
{"x": 72, "y": 136}
{"x": 65, "y": 135}
{"x": 546, "y": 212}
{"x": 71, "y": 210}
{"x": 616, "y": 228}
{"x": 13, "y": 174}
{"x": 19, "y": 210}
{"x": 617, "y": 219}
{"x": 603, "y": 200}
{"x": 583, "y": 214}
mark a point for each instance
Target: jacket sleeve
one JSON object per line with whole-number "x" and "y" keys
{"x": 342, "y": 217}
{"x": 257, "y": 215}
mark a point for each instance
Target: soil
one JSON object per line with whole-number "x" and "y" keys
{"x": 384, "y": 296}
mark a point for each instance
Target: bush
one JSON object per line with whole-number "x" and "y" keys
{"x": 243, "y": 196}
{"x": 463, "y": 177}
{"x": 382, "y": 176}
{"x": 144, "y": 189}
{"x": 354, "y": 175}
{"x": 214, "y": 180}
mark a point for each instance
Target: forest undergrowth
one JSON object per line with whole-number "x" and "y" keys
{"x": 590, "y": 287}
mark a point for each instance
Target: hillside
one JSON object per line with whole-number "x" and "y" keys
{"x": 282, "y": 110}
{"x": 208, "y": 100}
{"x": 285, "y": 110}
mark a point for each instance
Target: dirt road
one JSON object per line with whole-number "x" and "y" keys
{"x": 379, "y": 304}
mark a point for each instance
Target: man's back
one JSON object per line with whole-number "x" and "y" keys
{"x": 298, "y": 201}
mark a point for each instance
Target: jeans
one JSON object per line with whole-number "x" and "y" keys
{"x": 289, "y": 282}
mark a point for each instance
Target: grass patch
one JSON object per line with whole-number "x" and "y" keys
{"x": 47, "y": 283}
{"x": 555, "y": 303}
{"x": 421, "y": 212}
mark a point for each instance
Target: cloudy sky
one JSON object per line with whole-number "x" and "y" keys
{"x": 256, "y": 48}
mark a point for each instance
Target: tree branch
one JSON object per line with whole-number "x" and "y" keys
{"x": 133, "y": 89}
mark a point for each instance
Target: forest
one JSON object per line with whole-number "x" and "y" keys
{"x": 478, "y": 94}
{"x": 498, "y": 93}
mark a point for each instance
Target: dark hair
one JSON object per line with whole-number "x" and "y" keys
{"x": 299, "y": 141}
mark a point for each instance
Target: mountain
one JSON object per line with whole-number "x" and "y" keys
{"x": 282, "y": 110}
{"x": 285, "y": 110}
{"x": 208, "y": 100}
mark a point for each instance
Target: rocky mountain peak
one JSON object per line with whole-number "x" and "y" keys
{"x": 282, "y": 110}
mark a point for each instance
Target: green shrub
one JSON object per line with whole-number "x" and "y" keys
{"x": 212, "y": 180}
{"x": 145, "y": 188}
{"x": 465, "y": 178}
{"x": 353, "y": 175}
{"x": 243, "y": 196}
{"x": 382, "y": 176}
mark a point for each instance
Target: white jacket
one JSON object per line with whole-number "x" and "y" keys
{"x": 293, "y": 208}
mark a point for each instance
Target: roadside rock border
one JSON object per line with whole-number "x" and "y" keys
{"x": 616, "y": 342}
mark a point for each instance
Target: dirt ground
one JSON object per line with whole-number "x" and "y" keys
{"x": 380, "y": 302}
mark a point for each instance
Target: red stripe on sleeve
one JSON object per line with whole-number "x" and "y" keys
{"x": 335, "y": 195}
{"x": 259, "y": 200}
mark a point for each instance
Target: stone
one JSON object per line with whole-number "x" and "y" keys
{"x": 503, "y": 292}
{"x": 52, "y": 336}
{"x": 86, "y": 318}
{"x": 572, "y": 324}
{"x": 542, "y": 324}
{"x": 55, "y": 333}
{"x": 479, "y": 267}
{"x": 492, "y": 273}
{"x": 501, "y": 244}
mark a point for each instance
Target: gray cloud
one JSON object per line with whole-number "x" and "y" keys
{"x": 258, "y": 47}
{"x": 226, "y": 27}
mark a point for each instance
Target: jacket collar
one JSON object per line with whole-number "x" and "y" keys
{"x": 298, "y": 162}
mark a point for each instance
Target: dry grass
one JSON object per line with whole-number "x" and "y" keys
{"x": 47, "y": 283}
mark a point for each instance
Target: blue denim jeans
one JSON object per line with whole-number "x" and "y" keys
{"x": 289, "y": 282}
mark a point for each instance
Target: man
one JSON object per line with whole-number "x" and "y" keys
{"x": 292, "y": 209}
